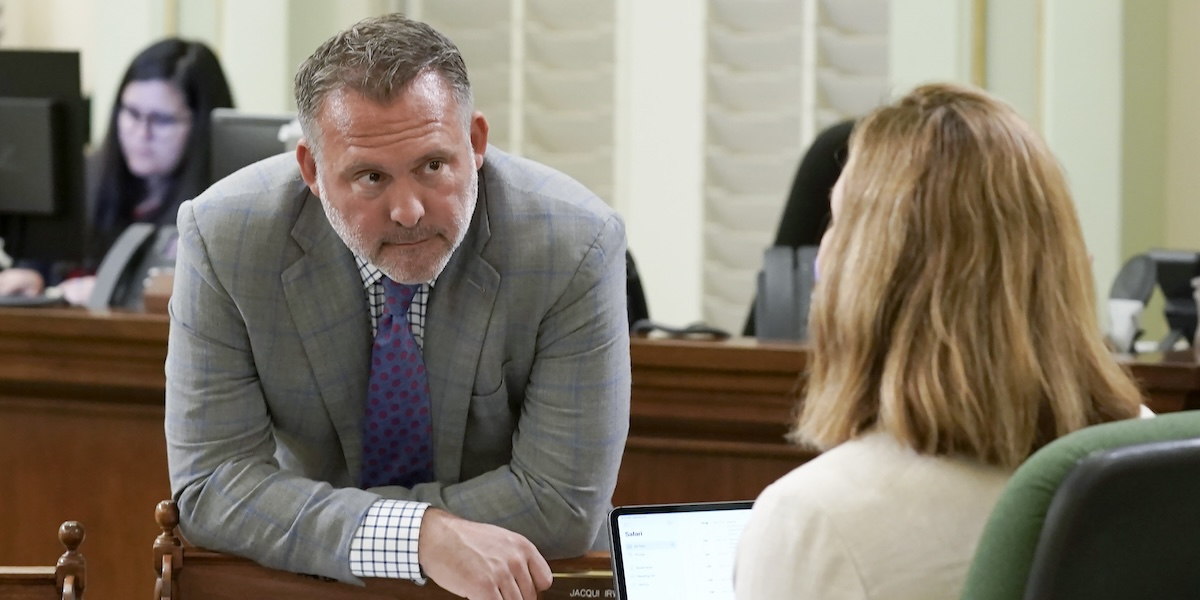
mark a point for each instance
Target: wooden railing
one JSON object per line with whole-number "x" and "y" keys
{"x": 187, "y": 573}
{"x": 64, "y": 581}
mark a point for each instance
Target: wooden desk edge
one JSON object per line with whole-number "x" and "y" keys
{"x": 33, "y": 573}
{"x": 588, "y": 563}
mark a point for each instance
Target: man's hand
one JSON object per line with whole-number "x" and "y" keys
{"x": 20, "y": 282}
{"x": 478, "y": 561}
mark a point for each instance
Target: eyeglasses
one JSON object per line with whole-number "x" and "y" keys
{"x": 157, "y": 122}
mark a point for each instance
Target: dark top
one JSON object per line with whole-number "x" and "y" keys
{"x": 99, "y": 239}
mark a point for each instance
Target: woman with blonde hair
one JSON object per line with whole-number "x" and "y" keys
{"x": 954, "y": 332}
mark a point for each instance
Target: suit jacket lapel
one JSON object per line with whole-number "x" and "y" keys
{"x": 329, "y": 310}
{"x": 456, "y": 324}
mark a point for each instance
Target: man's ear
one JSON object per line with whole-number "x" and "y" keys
{"x": 308, "y": 166}
{"x": 479, "y": 137}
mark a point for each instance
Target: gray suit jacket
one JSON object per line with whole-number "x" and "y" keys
{"x": 526, "y": 345}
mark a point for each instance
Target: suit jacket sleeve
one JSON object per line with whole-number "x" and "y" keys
{"x": 231, "y": 493}
{"x": 575, "y": 417}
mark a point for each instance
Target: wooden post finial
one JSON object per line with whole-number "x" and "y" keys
{"x": 71, "y": 570}
{"x": 71, "y": 533}
{"x": 167, "y": 516}
{"x": 168, "y": 550}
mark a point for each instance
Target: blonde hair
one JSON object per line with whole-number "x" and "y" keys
{"x": 955, "y": 306}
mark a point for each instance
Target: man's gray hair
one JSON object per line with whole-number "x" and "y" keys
{"x": 379, "y": 57}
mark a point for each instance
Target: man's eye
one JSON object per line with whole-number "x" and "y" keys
{"x": 434, "y": 165}
{"x": 371, "y": 178}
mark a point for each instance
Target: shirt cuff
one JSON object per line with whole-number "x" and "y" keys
{"x": 385, "y": 544}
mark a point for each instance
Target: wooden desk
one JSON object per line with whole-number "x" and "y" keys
{"x": 81, "y": 430}
{"x": 708, "y": 419}
{"x": 1171, "y": 380}
{"x": 81, "y": 437}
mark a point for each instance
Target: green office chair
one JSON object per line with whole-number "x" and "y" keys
{"x": 1108, "y": 512}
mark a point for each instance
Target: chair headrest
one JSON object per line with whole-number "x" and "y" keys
{"x": 1136, "y": 280}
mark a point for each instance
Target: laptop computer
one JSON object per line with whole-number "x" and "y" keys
{"x": 675, "y": 550}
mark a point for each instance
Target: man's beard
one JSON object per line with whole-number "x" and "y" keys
{"x": 409, "y": 274}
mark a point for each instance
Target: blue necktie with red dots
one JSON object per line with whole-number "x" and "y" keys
{"x": 398, "y": 428}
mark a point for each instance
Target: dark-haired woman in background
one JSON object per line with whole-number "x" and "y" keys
{"x": 154, "y": 156}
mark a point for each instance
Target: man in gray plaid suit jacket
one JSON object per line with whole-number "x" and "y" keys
{"x": 521, "y": 314}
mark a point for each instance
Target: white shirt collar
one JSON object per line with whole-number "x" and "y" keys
{"x": 371, "y": 274}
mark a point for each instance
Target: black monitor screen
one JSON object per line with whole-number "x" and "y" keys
{"x": 42, "y": 131}
{"x": 28, "y": 165}
{"x": 240, "y": 139}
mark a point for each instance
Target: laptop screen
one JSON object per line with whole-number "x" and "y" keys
{"x": 676, "y": 550}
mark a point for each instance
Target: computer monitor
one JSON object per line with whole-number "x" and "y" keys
{"x": 241, "y": 138}
{"x": 42, "y": 134}
{"x": 1175, "y": 270}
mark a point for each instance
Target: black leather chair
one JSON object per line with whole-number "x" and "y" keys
{"x": 1110, "y": 512}
{"x": 784, "y": 293}
{"x": 806, "y": 213}
{"x": 635, "y": 295}
{"x": 639, "y": 311}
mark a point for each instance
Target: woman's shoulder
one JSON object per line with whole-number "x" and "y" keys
{"x": 873, "y": 470}
{"x": 840, "y": 517}
{"x": 848, "y": 461}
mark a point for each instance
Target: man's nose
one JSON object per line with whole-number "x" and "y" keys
{"x": 407, "y": 209}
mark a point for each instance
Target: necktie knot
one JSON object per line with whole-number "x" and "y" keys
{"x": 398, "y": 297}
